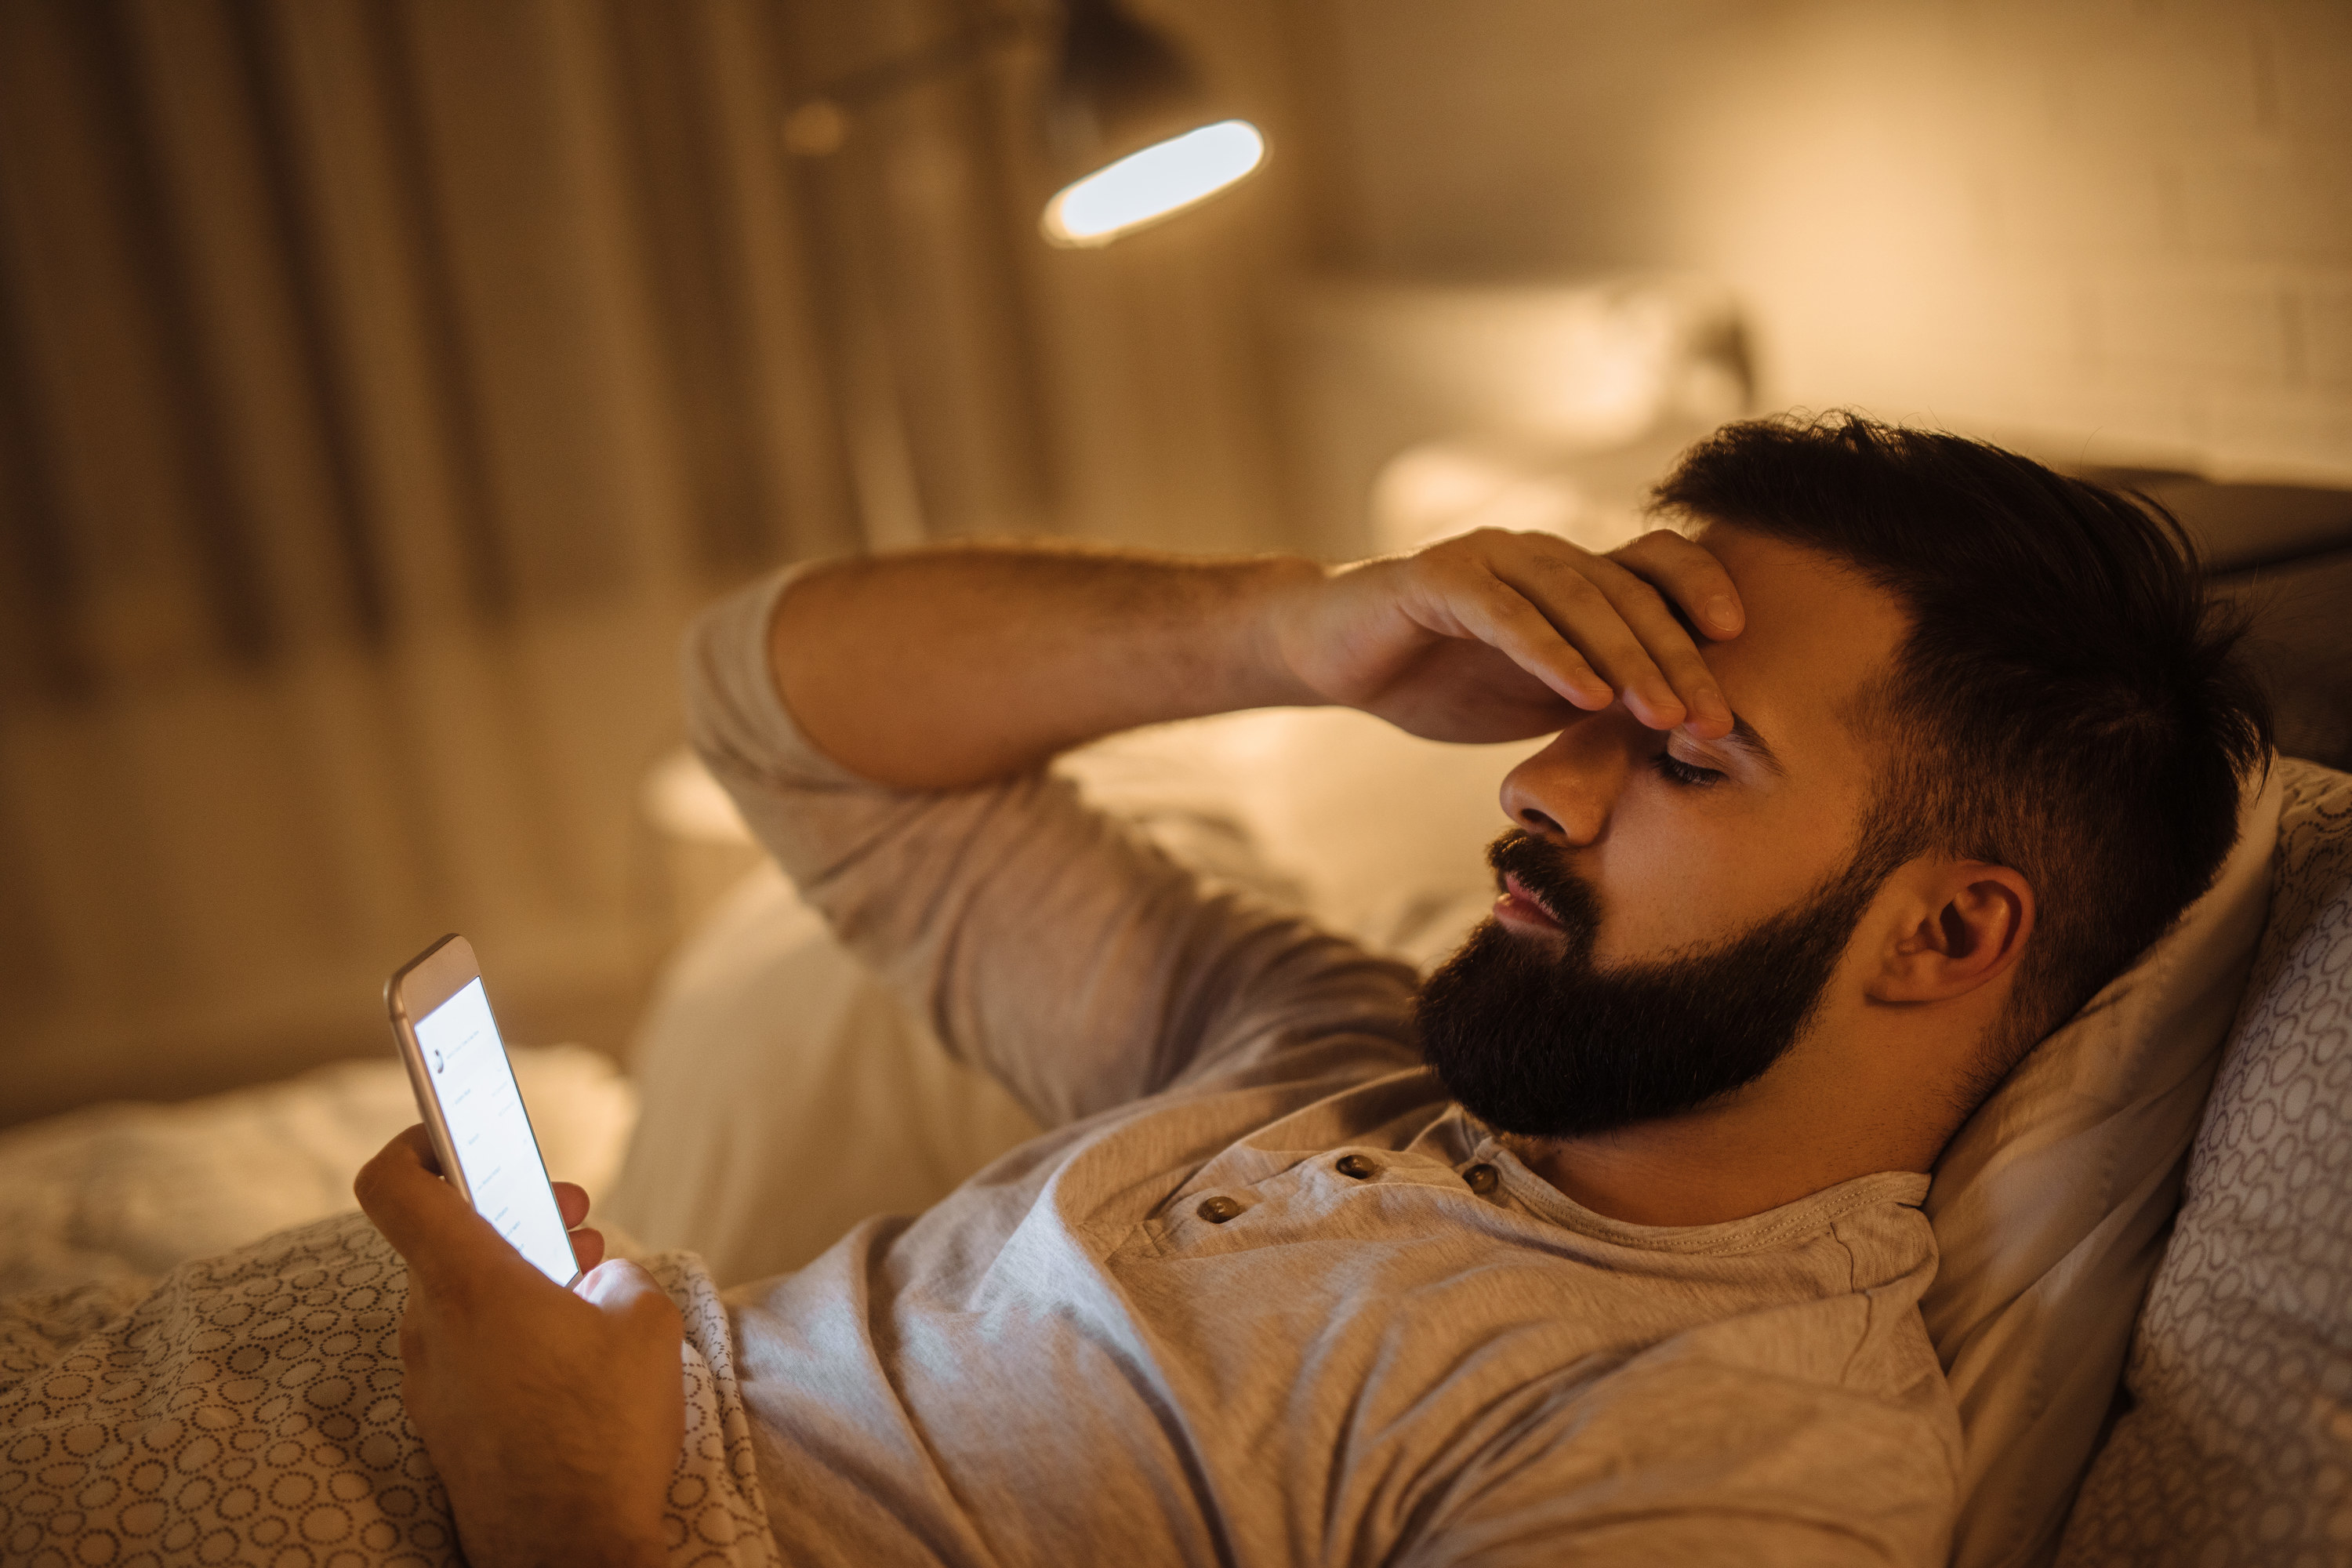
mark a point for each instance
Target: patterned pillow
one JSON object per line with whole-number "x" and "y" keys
{"x": 2237, "y": 1445}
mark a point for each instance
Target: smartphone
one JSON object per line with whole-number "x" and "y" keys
{"x": 472, "y": 1106}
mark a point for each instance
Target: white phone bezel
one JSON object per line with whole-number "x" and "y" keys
{"x": 414, "y": 990}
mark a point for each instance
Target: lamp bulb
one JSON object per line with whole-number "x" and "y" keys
{"x": 1146, "y": 186}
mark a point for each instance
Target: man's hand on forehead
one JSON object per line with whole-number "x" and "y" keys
{"x": 943, "y": 668}
{"x": 1498, "y": 635}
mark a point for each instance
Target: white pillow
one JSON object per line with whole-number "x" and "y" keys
{"x": 2052, "y": 1205}
{"x": 784, "y": 1095}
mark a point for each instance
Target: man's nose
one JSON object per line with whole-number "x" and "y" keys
{"x": 1566, "y": 792}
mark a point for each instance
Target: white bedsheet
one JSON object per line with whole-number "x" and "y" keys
{"x": 129, "y": 1191}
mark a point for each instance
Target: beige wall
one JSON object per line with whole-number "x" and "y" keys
{"x": 2130, "y": 219}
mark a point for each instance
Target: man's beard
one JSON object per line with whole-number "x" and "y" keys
{"x": 1533, "y": 1039}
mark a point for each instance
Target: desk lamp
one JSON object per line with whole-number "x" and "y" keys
{"x": 1132, "y": 133}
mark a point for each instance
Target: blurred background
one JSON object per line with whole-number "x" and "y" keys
{"x": 385, "y": 382}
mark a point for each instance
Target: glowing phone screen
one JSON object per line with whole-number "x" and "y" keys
{"x": 483, "y": 1110}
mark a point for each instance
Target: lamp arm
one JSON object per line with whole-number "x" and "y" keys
{"x": 818, "y": 123}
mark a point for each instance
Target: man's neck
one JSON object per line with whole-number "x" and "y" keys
{"x": 1721, "y": 1164}
{"x": 1641, "y": 1179}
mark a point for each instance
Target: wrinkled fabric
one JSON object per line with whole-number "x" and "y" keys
{"x": 1262, "y": 1294}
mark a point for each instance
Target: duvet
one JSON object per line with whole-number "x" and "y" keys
{"x": 245, "y": 1408}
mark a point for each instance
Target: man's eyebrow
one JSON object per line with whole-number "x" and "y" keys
{"x": 1744, "y": 737}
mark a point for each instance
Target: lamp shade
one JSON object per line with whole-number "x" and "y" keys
{"x": 1132, "y": 132}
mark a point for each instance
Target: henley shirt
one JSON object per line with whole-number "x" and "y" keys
{"x": 1261, "y": 1293}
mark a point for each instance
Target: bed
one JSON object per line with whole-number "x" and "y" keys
{"x": 2200, "y": 1352}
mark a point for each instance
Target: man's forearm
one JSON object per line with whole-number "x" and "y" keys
{"x": 944, "y": 668}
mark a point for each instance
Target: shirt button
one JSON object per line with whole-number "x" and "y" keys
{"x": 1218, "y": 1210}
{"x": 1356, "y": 1165}
{"x": 1482, "y": 1178}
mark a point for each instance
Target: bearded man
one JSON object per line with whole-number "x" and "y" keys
{"x": 1604, "y": 1246}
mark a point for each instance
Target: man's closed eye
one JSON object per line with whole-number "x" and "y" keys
{"x": 1683, "y": 775}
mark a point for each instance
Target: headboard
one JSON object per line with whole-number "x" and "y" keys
{"x": 2283, "y": 554}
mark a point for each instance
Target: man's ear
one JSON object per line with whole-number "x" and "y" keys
{"x": 1965, "y": 924}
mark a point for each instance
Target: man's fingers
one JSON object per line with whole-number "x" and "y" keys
{"x": 1591, "y": 630}
{"x": 587, "y": 1248}
{"x": 1621, "y": 620}
{"x": 1698, "y": 700}
{"x": 1495, "y": 613}
{"x": 1686, "y": 573}
{"x": 422, "y": 1215}
{"x": 401, "y": 1189}
{"x": 587, "y": 1245}
{"x": 1574, "y": 591}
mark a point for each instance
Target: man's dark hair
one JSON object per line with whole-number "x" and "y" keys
{"x": 2069, "y": 701}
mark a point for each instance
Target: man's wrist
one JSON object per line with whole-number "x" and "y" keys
{"x": 1279, "y": 588}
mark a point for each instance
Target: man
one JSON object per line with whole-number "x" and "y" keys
{"x": 1854, "y": 791}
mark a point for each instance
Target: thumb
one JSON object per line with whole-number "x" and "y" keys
{"x": 620, "y": 1288}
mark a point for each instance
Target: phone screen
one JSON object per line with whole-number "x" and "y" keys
{"x": 490, "y": 1130}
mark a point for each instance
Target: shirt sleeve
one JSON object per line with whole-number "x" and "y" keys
{"x": 1047, "y": 941}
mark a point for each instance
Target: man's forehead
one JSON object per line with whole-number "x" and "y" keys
{"x": 1817, "y": 632}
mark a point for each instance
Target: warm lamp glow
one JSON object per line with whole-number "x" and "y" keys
{"x": 1144, "y": 186}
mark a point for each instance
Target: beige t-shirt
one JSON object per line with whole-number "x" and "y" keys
{"x": 1263, "y": 1294}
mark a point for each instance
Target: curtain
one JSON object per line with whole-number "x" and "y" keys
{"x": 382, "y": 382}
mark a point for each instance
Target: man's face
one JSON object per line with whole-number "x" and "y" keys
{"x": 1673, "y": 909}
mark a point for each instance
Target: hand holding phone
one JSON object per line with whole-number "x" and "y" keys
{"x": 553, "y": 1416}
{"x": 472, "y": 1106}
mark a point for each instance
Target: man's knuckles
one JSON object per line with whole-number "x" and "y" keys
{"x": 378, "y": 1179}
{"x": 626, "y": 1293}
{"x": 1656, "y": 544}
{"x": 1472, "y": 554}
{"x": 399, "y": 1179}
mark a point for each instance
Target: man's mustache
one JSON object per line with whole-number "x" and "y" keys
{"x": 1537, "y": 867}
